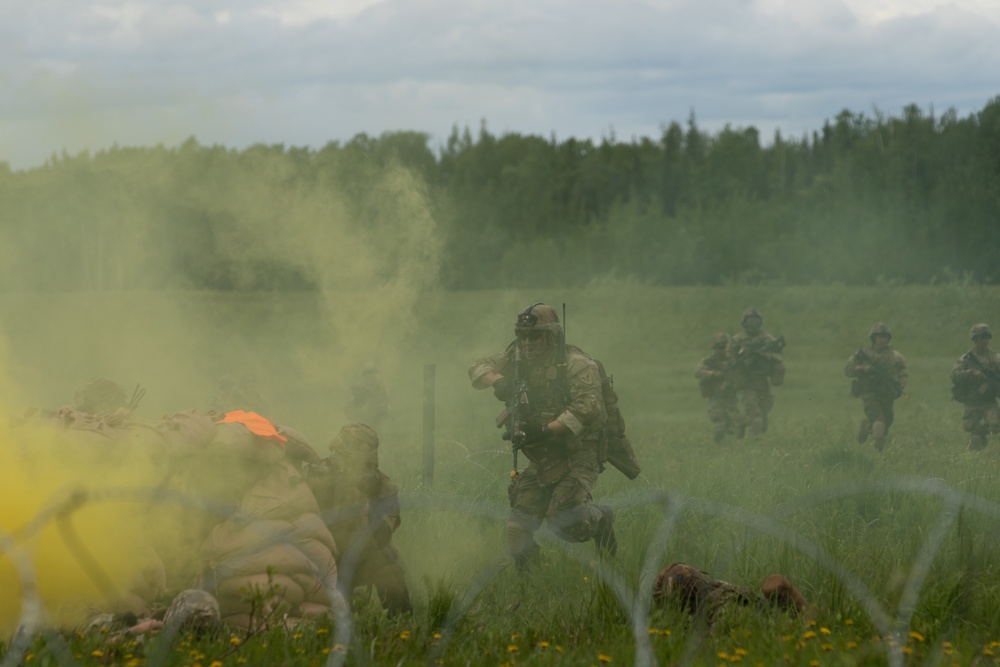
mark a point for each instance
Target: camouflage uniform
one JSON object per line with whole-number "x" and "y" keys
{"x": 360, "y": 507}
{"x": 557, "y": 484}
{"x": 753, "y": 377}
{"x": 880, "y": 375}
{"x": 713, "y": 379}
{"x": 718, "y": 602}
{"x": 975, "y": 391}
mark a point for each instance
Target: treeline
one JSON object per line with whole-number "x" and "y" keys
{"x": 864, "y": 199}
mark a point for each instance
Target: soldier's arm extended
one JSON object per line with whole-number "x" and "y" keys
{"x": 483, "y": 372}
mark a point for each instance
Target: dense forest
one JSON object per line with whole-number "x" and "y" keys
{"x": 864, "y": 199}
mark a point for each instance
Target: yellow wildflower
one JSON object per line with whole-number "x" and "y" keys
{"x": 97, "y": 653}
{"x": 810, "y": 634}
{"x": 826, "y": 647}
{"x": 604, "y": 657}
{"x": 825, "y": 631}
{"x": 742, "y": 651}
{"x": 987, "y": 651}
{"x": 404, "y": 635}
{"x": 543, "y": 645}
{"x": 216, "y": 663}
{"x": 852, "y": 644}
{"x": 916, "y": 635}
{"x": 512, "y": 648}
{"x": 848, "y": 621}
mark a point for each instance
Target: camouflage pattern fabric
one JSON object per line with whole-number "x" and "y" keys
{"x": 712, "y": 374}
{"x": 556, "y": 486}
{"x": 719, "y": 602}
{"x": 879, "y": 379}
{"x": 980, "y": 415}
{"x": 753, "y": 378}
{"x": 360, "y": 507}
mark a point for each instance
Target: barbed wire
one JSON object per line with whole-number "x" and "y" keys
{"x": 60, "y": 510}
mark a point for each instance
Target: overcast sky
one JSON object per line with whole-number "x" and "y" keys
{"x": 77, "y": 74}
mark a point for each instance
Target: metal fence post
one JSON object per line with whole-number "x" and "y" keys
{"x": 428, "y": 425}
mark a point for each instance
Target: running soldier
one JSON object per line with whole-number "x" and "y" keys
{"x": 976, "y": 384}
{"x": 713, "y": 375}
{"x": 880, "y": 375}
{"x": 757, "y": 364}
{"x": 558, "y": 425}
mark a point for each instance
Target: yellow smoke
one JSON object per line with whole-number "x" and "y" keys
{"x": 87, "y": 546}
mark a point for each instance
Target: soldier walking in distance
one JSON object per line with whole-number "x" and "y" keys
{"x": 556, "y": 416}
{"x": 713, "y": 375}
{"x": 757, "y": 364}
{"x": 880, "y": 375}
{"x": 976, "y": 384}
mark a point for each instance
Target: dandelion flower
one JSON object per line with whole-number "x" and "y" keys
{"x": 404, "y": 635}
{"x": 810, "y": 634}
{"x": 603, "y": 657}
{"x": 916, "y": 635}
{"x": 825, "y": 631}
{"x": 512, "y": 648}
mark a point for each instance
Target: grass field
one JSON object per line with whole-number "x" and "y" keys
{"x": 896, "y": 551}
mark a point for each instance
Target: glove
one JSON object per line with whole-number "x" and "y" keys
{"x": 535, "y": 432}
{"x": 501, "y": 389}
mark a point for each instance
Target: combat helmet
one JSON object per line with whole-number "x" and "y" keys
{"x": 100, "y": 395}
{"x": 981, "y": 329}
{"x": 751, "y": 312}
{"x": 880, "y": 329}
{"x": 538, "y": 317}
{"x": 355, "y": 436}
{"x": 720, "y": 340}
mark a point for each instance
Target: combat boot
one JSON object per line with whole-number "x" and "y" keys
{"x": 863, "y": 431}
{"x": 780, "y": 592}
{"x": 977, "y": 442}
{"x": 604, "y": 536}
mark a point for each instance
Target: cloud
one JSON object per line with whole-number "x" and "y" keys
{"x": 310, "y": 71}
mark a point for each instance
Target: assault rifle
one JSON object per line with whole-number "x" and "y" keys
{"x": 515, "y": 412}
{"x": 750, "y": 355}
{"x": 992, "y": 379}
{"x": 877, "y": 378}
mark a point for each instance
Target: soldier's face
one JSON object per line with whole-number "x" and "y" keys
{"x": 881, "y": 341}
{"x": 533, "y": 344}
{"x": 981, "y": 342}
{"x": 752, "y": 324}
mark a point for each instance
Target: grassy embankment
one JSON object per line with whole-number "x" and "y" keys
{"x": 895, "y": 550}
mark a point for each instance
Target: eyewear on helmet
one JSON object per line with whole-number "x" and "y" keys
{"x": 530, "y": 335}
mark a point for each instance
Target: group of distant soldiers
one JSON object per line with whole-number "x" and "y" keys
{"x": 737, "y": 379}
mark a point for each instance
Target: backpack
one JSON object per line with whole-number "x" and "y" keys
{"x": 615, "y": 447}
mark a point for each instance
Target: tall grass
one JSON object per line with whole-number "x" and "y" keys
{"x": 894, "y": 550}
